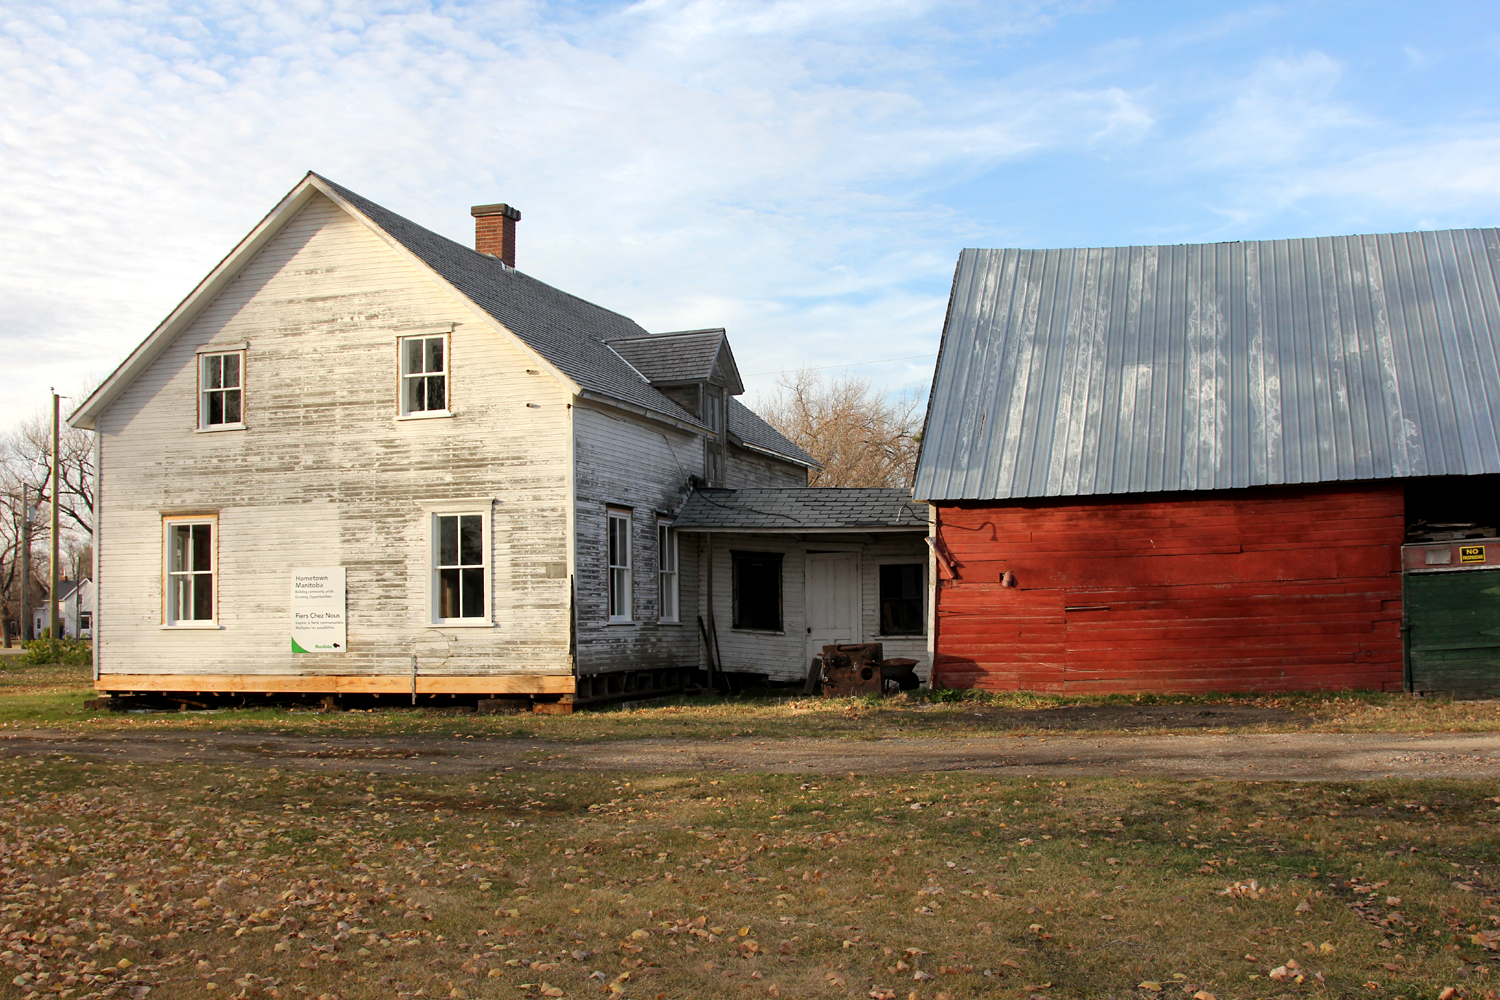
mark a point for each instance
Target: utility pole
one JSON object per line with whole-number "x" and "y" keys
{"x": 54, "y": 627}
{"x": 26, "y": 518}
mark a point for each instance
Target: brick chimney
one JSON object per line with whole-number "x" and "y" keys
{"x": 495, "y": 231}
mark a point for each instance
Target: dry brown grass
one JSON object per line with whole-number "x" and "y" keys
{"x": 52, "y": 697}
{"x": 206, "y": 882}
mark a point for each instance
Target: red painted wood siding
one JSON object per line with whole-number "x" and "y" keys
{"x": 1245, "y": 590}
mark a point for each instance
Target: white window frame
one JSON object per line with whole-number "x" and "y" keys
{"x": 667, "y": 578}
{"x": 484, "y": 510}
{"x": 169, "y": 584}
{"x": 618, "y": 583}
{"x": 402, "y": 411}
{"x": 204, "y": 390}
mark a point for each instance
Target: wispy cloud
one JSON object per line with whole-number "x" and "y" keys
{"x": 801, "y": 172}
{"x": 669, "y": 156}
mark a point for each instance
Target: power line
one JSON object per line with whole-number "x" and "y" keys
{"x": 7, "y": 402}
{"x": 852, "y": 364}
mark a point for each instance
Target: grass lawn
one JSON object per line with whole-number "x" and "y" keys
{"x": 52, "y": 697}
{"x": 206, "y": 882}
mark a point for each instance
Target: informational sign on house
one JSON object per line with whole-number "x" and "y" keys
{"x": 319, "y": 611}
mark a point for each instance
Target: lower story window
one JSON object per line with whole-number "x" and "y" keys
{"x": 620, "y": 603}
{"x": 191, "y": 558}
{"x": 460, "y": 567}
{"x": 901, "y": 599}
{"x": 757, "y": 590}
{"x": 666, "y": 551}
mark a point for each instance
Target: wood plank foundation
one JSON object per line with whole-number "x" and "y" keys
{"x": 500, "y": 684}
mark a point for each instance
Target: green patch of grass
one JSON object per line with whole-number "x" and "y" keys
{"x": 42, "y": 696}
{"x": 283, "y": 884}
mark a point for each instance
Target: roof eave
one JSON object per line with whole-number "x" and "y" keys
{"x": 740, "y": 442}
{"x": 157, "y": 341}
{"x": 640, "y": 411}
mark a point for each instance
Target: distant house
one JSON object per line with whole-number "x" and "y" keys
{"x": 362, "y": 458}
{"x": 75, "y": 609}
{"x": 1188, "y": 468}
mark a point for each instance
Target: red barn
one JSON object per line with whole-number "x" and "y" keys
{"x": 1193, "y": 468}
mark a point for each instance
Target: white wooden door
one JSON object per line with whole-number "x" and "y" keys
{"x": 832, "y": 599}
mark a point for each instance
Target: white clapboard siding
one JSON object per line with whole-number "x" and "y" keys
{"x": 624, "y": 461}
{"x": 784, "y": 656}
{"x": 326, "y": 476}
{"x": 747, "y": 470}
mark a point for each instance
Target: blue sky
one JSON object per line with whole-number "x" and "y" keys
{"x": 803, "y": 174}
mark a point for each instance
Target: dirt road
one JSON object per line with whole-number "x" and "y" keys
{"x": 1258, "y": 757}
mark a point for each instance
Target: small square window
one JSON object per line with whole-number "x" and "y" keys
{"x": 221, "y": 388}
{"x": 901, "y": 603}
{"x": 757, "y": 590}
{"x": 424, "y": 374}
{"x": 191, "y": 557}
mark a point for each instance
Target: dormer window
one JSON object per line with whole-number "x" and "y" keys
{"x": 713, "y": 408}
{"x": 713, "y": 446}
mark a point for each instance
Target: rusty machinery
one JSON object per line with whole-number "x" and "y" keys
{"x": 861, "y": 668}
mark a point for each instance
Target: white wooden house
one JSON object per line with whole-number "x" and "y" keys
{"x": 75, "y": 607}
{"x": 475, "y": 472}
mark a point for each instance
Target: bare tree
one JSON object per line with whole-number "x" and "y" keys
{"x": 860, "y": 436}
{"x": 25, "y": 460}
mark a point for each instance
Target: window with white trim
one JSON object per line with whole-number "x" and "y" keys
{"x": 666, "y": 554}
{"x": 221, "y": 390}
{"x": 424, "y": 375}
{"x": 620, "y": 607}
{"x": 460, "y": 568}
{"x": 191, "y": 558}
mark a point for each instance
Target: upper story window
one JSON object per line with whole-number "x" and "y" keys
{"x": 424, "y": 375}
{"x": 713, "y": 446}
{"x": 713, "y": 408}
{"x": 221, "y": 387}
{"x": 620, "y": 606}
{"x": 191, "y": 559}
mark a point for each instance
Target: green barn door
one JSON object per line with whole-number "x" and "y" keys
{"x": 1454, "y": 623}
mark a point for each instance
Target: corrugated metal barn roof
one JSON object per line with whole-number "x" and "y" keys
{"x": 1203, "y": 367}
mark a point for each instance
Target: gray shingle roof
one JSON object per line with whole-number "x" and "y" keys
{"x": 566, "y": 330}
{"x": 601, "y": 350}
{"x": 688, "y": 356}
{"x": 802, "y": 509}
{"x": 746, "y": 424}
{"x": 1204, "y": 367}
